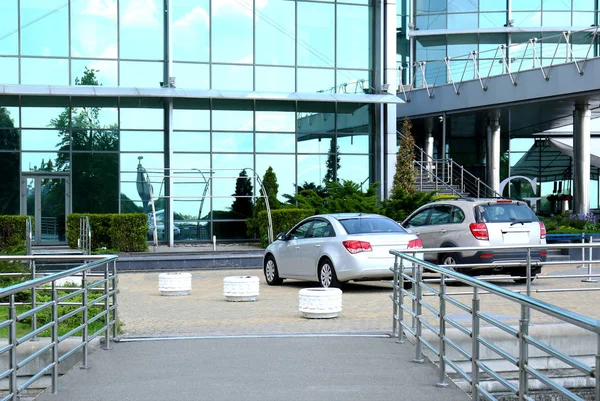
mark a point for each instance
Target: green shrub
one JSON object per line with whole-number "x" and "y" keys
{"x": 282, "y": 219}
{"x": 12, "y": 234}
{"x": 122, "y": 232}
{"x": 401, "y": 204}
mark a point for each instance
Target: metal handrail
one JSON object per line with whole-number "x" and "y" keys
{"x": 85, "y": 235}
{"x": 108, "y": 302}
{"x": 505, "y": 56}
{"x": 453, "y": 174}
{"x": 521, "y": 333}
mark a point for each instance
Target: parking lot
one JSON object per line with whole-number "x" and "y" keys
{"x": 367, "y": 307}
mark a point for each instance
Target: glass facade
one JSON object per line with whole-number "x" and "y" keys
{"x": 243, "y": 45}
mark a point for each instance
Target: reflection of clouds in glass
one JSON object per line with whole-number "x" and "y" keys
{"x": 101, "y": 8}
{"x": 238, "y": 6}
{"x": 191, "y": 19}
{"x": 140, "y": 13}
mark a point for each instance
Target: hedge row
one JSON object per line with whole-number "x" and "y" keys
{"x": 12, "y": 234}
{"x": 283, "y": 220}
{"x": 121, "y": 232}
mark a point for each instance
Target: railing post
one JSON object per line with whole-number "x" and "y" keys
{"x": 597, "y": 371}
{"x": 12, "y": 340}
{"x": 589, "y": 264}
{"x": 475, "y": 345}
{"x": 528, "y": 273}
{"x": 442, "y": 382}
{"x": 115, "y": 303}
{"x": 33, "y": 301}
{"x": 418, "y": 312}
{"x": 84, "y": 303}
{"x": 523, "y": 352}
{"x": 54, "y": 338}
{"x": 396, "y": 300}
{"x": 106, "y": 308}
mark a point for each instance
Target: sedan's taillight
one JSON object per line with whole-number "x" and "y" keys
{"x": 415, "y": 243}
{"x": 479, "y": 231}
{"x": 542, "y": 230}
{"x": 354, "y": 246}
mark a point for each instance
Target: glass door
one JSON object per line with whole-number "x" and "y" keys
{"x": 45, "y": 200}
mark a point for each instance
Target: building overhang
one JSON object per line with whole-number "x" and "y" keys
{"x": 45, "y": 91}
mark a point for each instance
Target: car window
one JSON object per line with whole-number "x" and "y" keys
{"x": 418, "y": 219}
{"x": 458, "y": 216}
{"x": 321, "y": 229}
{"x": 371, "y": 225}
{"x": 440, "y": 215}
{"x": 506, "y": 212}
{"x": 300, "y": 231}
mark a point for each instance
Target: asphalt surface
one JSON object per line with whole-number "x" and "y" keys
{"x": 201, "y": 347}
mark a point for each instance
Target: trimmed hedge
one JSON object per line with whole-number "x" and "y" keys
{"x": 122, "y": 232}
{"x": 12, "y": 234}
{"x": 283, "y": 220}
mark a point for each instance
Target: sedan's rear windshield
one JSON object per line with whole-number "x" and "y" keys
{"x": 506, "y": 212}
{"x": 371, "y": 226}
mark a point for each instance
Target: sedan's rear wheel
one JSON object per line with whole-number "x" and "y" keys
{"x": 327, "y": 276}
{"x": 271, "y": 272}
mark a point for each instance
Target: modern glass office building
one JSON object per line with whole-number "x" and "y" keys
{"x": 447, "y": 31}
{"x": 193, "y": 92}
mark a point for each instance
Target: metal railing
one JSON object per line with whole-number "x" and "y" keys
{"x": 480, "y": 368}
{"x": 95, "y": 300}
{"x": 448, "y": 176}
{"x": 85, "y": 236}
{"x": 28, "y": 235}
{"x": 566, "y": 47}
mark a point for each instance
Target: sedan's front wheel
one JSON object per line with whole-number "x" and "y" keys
{"x": 271, "y": 272}
{"x": 327, "y": 276}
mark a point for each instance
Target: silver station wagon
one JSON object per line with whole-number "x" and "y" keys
{"x": 478, "y": 222}
{"x": 335, "y": 248}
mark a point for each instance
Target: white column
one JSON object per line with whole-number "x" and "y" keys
{"x": 429, "y": 146}
{"x": 493, "y": 152}
{"x": 581, "y": 159}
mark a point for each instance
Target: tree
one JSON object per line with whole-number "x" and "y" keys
{"x": 242, "y": 205}
{"x": 269, "y": 182}
{"x": 405, "y": 176}
{"x": 9, "y": 184}
{"x": 333, "y": 163}
{"x": 95, "y": 175}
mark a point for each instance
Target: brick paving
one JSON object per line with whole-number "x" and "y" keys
{"x": 367, "y": 307}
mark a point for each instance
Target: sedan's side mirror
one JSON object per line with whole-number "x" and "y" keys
{"x": 281, "y": 237}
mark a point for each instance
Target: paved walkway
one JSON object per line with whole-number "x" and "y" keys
{"x": 274, "y": 361}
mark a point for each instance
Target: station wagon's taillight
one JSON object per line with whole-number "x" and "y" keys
{"x": 479, "y": 231}
{"x": 415, "y": 243}
{"x": 354, "y": 246}
{"x": 542, "y": 230}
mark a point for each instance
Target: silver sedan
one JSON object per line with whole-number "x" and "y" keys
{"x": 336, "y": 248}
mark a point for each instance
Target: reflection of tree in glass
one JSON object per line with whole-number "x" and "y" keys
{"x": 9, "y": 184}
{"x": 95, "y": 175}
{"x": 333, "y": 163}
{"x": 242, "y": 207}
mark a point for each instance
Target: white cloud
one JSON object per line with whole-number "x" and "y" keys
{"x": 102, "y": 8}
{"x": 237, "y": 6}
{"x": 140, "y": 13}
{"x": 191, "y": 19}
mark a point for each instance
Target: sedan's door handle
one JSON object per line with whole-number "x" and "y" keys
{"x": 442, "y": 231}
{"x": 317, "y": 245}
{"x": 297, "y": 247}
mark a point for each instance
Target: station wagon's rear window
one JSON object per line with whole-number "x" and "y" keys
{"x": 371, "y": 226}
{"x": 506, "y": 212}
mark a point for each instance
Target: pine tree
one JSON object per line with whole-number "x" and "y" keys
{"x": 333, "y": 163}
{"x": 405, "y": 176}
{"x": 242, "y": 205}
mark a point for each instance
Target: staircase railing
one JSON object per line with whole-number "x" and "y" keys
{"x": 446, "y": 174}
{"x": 85, "y": 236}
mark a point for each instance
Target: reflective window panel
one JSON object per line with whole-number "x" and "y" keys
{"x": 275, "y": 36}
{"x": 230, "y": 230}
{"x": 9, "y": 185}
{"x": 316, "y": 80}
{"x": 275, "y": 143}
{"x": 316, "y": 34}
{"x": 232, "y": 77}
{"x": 284, "y": 167}
{"x": 45, "y": 161}
{"x": 188, "y": 75}
{"x": 9, "y": 118}
{"x": 95, "y": 185}
{"x": 146, "y": 141}
{"x": 45, "y": 26}
{"x": 354, "y": 168}
{"x": 186, "y": 141}
{"x": 94, "y": 29}
{"x": 312, "y": 169}
{"x": 141, "y": 74}
{"x": 275, "y": 79}
{"x": 151, "y": 119}
{"x": 232, "y": 31}
{"x": 184, "y": 119}
{"x": 132, "y": 200}
{"x": 95, "y": 113}
{"x": 354, "y": 37}
{"x": 43, "y": 117}
{"x": 44, "y": 71}
{"x": 141, "y": 31}
{"x": 232, "y": 120}
{"x": 10, "y": 70}
{"x": 190, "y": 30}
{"x": 232, "y": 142}
{"x": 106, "y": 71}
{"x": 9, "y": 29}
{"x": 276, "y": 121}
{"x": 45, "y": 140}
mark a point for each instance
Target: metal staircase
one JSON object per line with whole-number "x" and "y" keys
{"x": 445, "y": 176}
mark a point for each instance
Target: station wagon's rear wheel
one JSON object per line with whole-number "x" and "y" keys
{"x": 450, "y": 259}
{"x": 327, "y": 276}
{"x": 271, "y": 272}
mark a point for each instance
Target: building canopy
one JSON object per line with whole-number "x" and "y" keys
{"x": 551, "y": 160}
